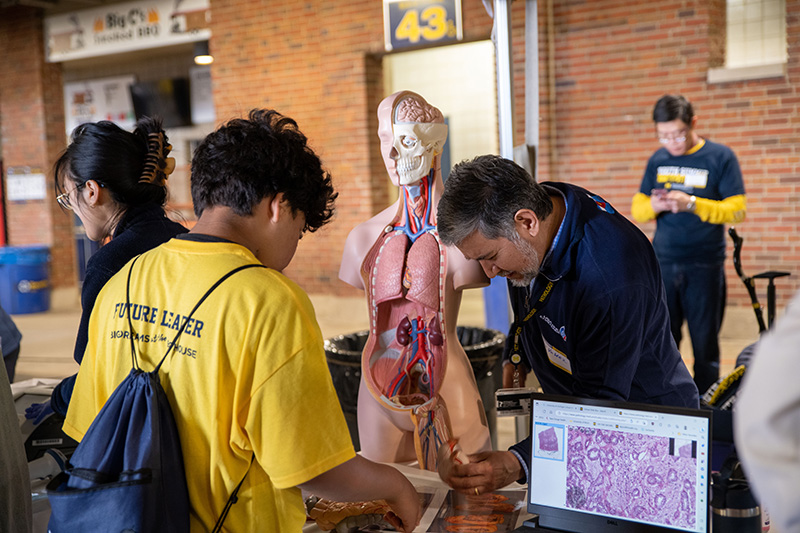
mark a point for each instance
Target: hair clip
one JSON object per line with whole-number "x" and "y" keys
{"x": 157, "y": 165}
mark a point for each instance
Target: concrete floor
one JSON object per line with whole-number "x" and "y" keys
{"x": 48, "y": 338}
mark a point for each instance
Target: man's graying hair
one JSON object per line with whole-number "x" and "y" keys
{"x": 484, "y": 194}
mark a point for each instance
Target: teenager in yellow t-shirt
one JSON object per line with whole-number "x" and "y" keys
{"x": 249, "y": 376}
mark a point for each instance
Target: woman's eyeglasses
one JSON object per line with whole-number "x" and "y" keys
{"x": 63, "y": 198}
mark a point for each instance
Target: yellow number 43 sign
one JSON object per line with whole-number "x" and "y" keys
{"x": 418, "y": 22}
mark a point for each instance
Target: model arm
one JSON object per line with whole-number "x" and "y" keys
{"x": 767, "y": 420}
{"x": 360, "y": 479}
{"x": 358, "y": 244}
{"x": 466, "y": 274}
{"x": 354, "y": 251}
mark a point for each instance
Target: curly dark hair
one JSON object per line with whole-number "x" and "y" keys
{"x": 247, "y": 160}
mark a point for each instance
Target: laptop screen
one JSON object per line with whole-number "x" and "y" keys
{"x": 602, "y": 466}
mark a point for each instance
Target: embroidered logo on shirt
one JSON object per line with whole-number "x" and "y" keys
{"x": 602, "y": 204}
{"x": 561, "y": 331}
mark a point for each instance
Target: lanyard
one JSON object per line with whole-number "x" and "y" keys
{"x": 516, "y": 355}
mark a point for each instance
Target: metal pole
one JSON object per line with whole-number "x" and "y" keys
{"x": 505, "y": 89}
{"x": 495, "y": 296}
{"x": 532, "y": 79}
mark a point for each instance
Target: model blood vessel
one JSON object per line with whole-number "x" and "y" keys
{"x": 417, "y": 389}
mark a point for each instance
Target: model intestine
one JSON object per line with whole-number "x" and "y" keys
{"x": 417, "y": 386}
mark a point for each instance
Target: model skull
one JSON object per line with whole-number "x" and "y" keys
{"x": 415, "y": 146}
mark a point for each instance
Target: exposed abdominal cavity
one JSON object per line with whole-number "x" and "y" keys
{"x": 404, "y": 360}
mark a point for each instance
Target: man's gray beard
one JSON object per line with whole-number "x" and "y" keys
{"x": 531, "y": 258}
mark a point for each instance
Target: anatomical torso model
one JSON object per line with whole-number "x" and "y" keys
{"x": 417, "y": 390}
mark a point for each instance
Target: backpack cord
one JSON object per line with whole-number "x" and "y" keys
{"x": 203, "y": 299}
{"x": 233, "y": 499}
{"x": 128, "y": 312}
{"x": 234, "y": 495}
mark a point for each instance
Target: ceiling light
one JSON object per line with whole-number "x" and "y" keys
{"x": 201, "y": 53}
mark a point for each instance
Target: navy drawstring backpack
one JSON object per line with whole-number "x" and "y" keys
{"x": 127, "y": 474}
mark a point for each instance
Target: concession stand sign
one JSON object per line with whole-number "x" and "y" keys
{"x": 125, "y": 27}
{"x": 408, "y": 23}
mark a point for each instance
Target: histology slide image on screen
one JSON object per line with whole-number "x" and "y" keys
{"x": 641, "y": 477}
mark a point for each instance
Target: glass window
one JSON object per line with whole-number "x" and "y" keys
{"x": 756, "y": 33}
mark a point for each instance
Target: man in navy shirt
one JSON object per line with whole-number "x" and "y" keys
{"x": 590, "y": 313}
{"x": 692, "y": 187}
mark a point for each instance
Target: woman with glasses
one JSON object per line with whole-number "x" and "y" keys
{"x": 115, "y": 181}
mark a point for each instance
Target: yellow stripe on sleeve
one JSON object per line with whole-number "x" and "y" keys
{"x": 641, "y": 208}
{"x": 731, "y": 210}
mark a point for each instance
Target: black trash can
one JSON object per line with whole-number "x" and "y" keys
{"x": 482, "y": 346}
{"x": 344, "y": 362}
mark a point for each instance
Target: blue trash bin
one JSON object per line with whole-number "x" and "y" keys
{"x": 24, "y": 279}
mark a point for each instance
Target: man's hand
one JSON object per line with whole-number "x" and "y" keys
{"x": 680, "y": 201}
{"x": 486, "y": 472}
{"x": 660, "y": 201}
{"x": 508, "y": 375}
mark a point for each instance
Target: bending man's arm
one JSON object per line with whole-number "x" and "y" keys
{"x": 360, "y": 479}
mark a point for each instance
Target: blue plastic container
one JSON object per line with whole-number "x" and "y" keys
{"x": 24, "y": 279}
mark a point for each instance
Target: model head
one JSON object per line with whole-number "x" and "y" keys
{"x": 675, "y": 120}
{"x": 106, "y": 170}
{"x": 250, "y": 159}
{"x": 412, "y": 133}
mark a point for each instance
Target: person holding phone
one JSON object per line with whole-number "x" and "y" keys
{"x": 692, "y": 187}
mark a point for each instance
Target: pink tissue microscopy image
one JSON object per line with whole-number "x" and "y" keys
{"x": 548, "y": 441}
{"x": 632, "y": 476}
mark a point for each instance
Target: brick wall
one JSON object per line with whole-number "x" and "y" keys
{"x": 309, "y": 61}
{"x": 614, "y": 59}
{"x": 320, "y": 62}
{"x": 31, "y": 107}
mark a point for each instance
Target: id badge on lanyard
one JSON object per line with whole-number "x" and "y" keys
{"x": 517, "y": 399}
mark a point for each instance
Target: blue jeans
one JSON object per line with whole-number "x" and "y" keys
{"x": 696, "y": 292}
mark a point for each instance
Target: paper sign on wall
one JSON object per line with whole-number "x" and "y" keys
{"x": 25, "y": 183}
{"x": 102, "y": 99}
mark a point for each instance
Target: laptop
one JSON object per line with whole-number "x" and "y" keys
{"x": 602, "y": 466}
